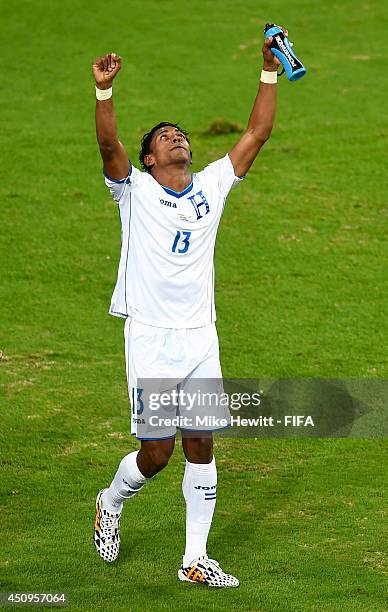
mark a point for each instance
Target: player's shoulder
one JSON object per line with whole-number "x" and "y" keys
{"x": 214, "y": 168}
{"x": 120, "y": 187}
{"x": 220, "y": 175}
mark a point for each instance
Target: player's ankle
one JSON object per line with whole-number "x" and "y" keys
{"x": 109, "y": 504}
{"x": 189, "y": 559}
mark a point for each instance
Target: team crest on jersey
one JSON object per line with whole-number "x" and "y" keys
{"x": 200, "y": 204}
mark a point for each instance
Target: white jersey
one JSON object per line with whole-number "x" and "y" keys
{"x": 166, "y": 270}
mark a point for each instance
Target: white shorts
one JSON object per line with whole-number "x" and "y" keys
{"x": 160, "y": 360}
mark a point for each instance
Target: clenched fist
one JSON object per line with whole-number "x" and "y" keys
{"x": 105, "y": 69}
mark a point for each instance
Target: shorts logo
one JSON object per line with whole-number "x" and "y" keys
{"x": 137, "y": 403}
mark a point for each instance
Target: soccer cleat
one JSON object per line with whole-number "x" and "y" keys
{"x": 106, "y": 532}
{"x": 207, "y": 571}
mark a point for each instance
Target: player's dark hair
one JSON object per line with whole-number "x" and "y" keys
{"x": 145, "y": 145}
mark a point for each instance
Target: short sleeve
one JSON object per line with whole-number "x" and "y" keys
{"x": 117, "y": 188}
{"x": 222, "y": 171}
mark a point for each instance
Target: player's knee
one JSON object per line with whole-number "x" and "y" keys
{"x": 159, "y": 459}
{"x": 157, "y": 456}
{"x": 199, "y": 449}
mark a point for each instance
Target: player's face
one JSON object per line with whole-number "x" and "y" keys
{"x": 168, "y": 146}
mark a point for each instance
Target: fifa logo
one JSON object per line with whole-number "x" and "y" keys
{"x": 197, "y": 201}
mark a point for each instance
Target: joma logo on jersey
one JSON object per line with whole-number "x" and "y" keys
{"x": 197, "y": 201}
{"x": 167, "y": 203}
{"x": 205, "y": 488}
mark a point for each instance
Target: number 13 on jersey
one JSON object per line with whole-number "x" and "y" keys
{"x": 181, "y": 242}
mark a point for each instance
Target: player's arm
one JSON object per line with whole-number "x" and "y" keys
{"x": 113, "y": 153}
{"x": 260, "y": 121}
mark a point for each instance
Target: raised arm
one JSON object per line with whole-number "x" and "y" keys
{"x": 113, "y": 153}
{"x": 261, "y": 119}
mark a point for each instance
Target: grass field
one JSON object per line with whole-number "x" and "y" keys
{"x": 301, "y": 291}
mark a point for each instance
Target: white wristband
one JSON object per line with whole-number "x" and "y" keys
{"x": 269, "y": 77}
{"x": 103, "y": 94}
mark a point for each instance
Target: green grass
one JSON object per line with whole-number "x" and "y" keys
{"x": 301, "y": 291}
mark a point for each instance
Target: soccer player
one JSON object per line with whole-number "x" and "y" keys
{"x": 165, "y": 293}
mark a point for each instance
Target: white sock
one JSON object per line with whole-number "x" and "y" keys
{"x": 126, "y": 483}
{"x": 199, "y": 488}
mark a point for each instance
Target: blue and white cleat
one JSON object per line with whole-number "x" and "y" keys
{"x": 207, "y": 571}
{"x": 106, "y": 532}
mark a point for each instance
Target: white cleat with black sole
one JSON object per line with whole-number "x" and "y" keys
{"x": 106, "y": 532}
{"x": 207, "y": 571}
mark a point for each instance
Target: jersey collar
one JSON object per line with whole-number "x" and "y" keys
{"x": 178, "y": 194}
